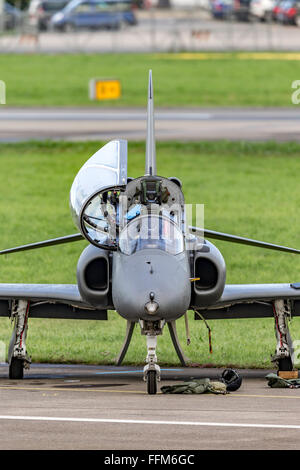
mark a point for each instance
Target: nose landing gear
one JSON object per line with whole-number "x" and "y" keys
{"x": 152, "y": 370}
{"x": 152, "y": 379}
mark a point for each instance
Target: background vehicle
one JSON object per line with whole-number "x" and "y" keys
{"x": 94, "y": 14}
{"x": 276, "y": 9}
{"x": 41, "y": 11}
{"x": 138, "y": 4}
{"x": 261, "y": 9}
{"x": 12, "y": 16}
{"x": 288, "y": 12}
{"x": 205, "y": 4}
{"x": 221, "y": 8}
{"x": 241, "y": 9}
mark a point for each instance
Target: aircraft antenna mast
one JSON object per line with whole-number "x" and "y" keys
{"x": 150, "y": 168}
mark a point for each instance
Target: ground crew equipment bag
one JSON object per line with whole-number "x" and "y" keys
{"x": 275, "y": 381}
{"x": 196, "y": 387}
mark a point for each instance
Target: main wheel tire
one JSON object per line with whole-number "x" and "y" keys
{"x": 16, "y": 369}
{"x": 151, "y": 382}
{"x": 285, "y": 364}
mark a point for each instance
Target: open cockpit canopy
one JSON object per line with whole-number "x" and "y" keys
{"x": 94, "y": 195}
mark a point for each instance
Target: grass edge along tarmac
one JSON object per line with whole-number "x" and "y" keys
{"x": 250, "y": 189}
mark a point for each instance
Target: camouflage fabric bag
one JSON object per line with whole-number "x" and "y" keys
{"x": 274, "y": 381}
{"x": 196, "y": 387}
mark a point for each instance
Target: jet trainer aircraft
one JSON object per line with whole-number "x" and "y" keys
{"x": 145, "y": 262}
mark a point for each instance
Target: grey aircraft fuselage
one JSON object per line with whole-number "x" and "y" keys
{"x": 154, "y": 276}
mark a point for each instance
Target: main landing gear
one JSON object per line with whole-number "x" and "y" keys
{"x": 18, "y": 358}
{"x": 284, "y": 348}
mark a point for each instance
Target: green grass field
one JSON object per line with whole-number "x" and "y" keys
{"x": 250, "y": 189}
{"x": 219, "y": 80}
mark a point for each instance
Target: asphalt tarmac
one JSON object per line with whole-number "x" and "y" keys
{"x": 185, "y": 124}
{"x": 75, "y": 407}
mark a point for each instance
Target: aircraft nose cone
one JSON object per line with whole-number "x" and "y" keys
{"x": 151, "y": 283}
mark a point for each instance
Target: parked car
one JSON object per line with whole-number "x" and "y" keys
{"x": 262, "y": 9}
{"x": 276, "y": 9}
{"x": 41, "y": 11}
{"x": 241, "y": 10}
{"x": 12, "y": 16}
{"x": 190, "y": 4}
{"x": 94, "y": 14}
{"x": 288, "y": 12}
{"x": 221, "y": 8}
{"x": 138, "y": 4}
{"x": 125, "y": 8}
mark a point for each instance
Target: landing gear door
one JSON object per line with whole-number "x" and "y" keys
{"x": 95, "y": 193}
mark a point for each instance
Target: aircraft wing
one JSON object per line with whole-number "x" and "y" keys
{"x": 49, "y": 301}
{"x": 236, "y": 293}
{"x": 253, "y": 300}
{"x": 66, "y": 293}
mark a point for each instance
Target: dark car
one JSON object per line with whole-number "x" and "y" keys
{"x": 241, "y": 9}
{"x": 41, "y": 11}
{"x": 12, "y": 16}
{"x": 94, "y": 14}
{"x": 221, "y": 8}
{"x": 231, "y": 9}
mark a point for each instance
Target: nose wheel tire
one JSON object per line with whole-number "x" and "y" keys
{"x": 152, "y": 382}
{"x": 16, "y": 369}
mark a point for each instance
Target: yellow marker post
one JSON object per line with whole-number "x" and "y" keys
{"x": 104, "y": 89}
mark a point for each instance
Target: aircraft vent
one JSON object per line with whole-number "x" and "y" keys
{"x": 93, "y": 276}
{"x": 96, "y": 274}
{"x": 210, "y": 268}
{"x": 207, "y": 271}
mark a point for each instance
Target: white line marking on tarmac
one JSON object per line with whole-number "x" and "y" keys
{"x": 132, "y": 421}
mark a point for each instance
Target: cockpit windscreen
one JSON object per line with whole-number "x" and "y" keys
{"x": 151, "y": 231}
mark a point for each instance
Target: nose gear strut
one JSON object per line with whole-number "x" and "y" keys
{"x": 152, "y": 370}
